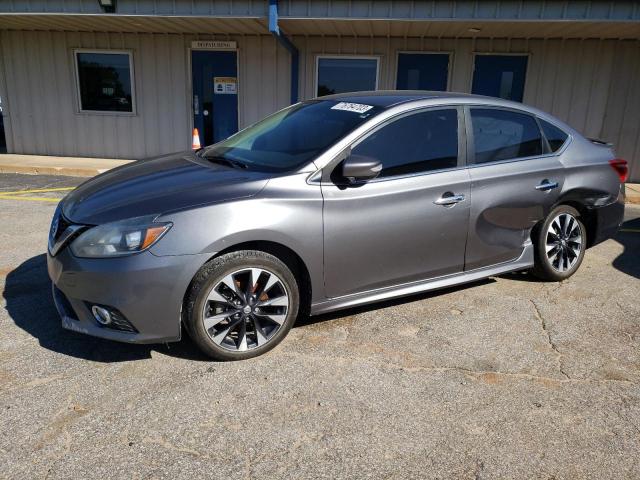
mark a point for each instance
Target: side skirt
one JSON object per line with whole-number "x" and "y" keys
{"x": 523, "y": 262}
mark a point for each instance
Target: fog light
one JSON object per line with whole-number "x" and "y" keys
{"x": 101, "y": 315}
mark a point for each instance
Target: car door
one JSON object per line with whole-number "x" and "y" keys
{"x": 514, "y": 183}
{"x": 411, "y": 222}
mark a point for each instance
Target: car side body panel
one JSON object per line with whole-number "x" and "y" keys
{"x": 505, "y": 206}
{"x": 390, "y": 231}
{"x": 288, "y": 212}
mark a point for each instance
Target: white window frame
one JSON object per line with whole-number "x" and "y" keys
{"x": 80, "y": 110}
{"x": 345, "y": 57}
{"x": 449, "y": 53}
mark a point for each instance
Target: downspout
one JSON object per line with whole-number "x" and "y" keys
{"x": 286, "y": 43}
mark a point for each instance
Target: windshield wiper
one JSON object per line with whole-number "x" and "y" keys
{"x": 225, "y": 161}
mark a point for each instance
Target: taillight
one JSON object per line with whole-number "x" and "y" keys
{"x": 621, "y": 168}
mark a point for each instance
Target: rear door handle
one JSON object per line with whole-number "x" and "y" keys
{"x": 546, "y": 185}
{"x": 449, "y": 199}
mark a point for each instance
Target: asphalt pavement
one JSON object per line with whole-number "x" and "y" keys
{"x": 504, "y": 378}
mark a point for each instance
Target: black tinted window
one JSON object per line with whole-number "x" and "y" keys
{"x": 504, "y": 135}
{"x": 555, "y": 136}
{"x": 105, "y": 82}
{"x": 416, "y": 143}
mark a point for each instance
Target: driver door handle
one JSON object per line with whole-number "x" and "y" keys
{"x": 546, "y": 185}
{"x": 449, "y": 199}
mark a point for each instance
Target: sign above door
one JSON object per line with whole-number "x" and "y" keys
{"x": 214, "y": 44}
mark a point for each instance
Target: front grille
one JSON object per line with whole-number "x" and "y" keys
{"x": 62, "y": 232}
{"x": 63, "y": 224}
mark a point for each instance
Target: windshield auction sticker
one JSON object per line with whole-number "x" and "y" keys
{"x": 352, "y": 107}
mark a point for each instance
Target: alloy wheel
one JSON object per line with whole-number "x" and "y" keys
{"x": 564, "y": 242}
{"x": 245, "y": 309}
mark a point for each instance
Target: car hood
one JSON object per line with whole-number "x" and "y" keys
{"x": 158, "y": 185}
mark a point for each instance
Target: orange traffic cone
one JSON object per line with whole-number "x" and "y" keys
{"x": 195, "y": 143}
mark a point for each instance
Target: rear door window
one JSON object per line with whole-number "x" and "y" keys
{"x": 555, "y": 136}
{"x": 504, "y": 135}
{"x": 419, "y": 142}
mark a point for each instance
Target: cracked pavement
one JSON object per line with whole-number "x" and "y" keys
{"x": 504, "y": 378}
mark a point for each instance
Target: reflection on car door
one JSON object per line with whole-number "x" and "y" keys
{"x": 395, "y": 229}
{"x": 514, "y": 184}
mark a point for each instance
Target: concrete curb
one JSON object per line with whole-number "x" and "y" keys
{"x": 66, "y": 166}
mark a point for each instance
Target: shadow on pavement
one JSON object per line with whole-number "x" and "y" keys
{"x": 29, "y": 303}
{"x": 629, "y": 260}
{"x": 388, "y": 303}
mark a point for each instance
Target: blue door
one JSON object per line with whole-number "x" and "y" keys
{"x": 422, "y": 71}
{"x": 500, "y": 76}
{"x": 215, "y": 94}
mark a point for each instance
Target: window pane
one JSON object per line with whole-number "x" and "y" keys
{"x": 105, "y": 82}
{"x": 422, "y": 71}
{"x": 504, "y": 135}
{"x": 500, "y": 76}
{"x": 341, "y": 75}
{"x": 555, "y": 136}
{"x": 416, "y": 143}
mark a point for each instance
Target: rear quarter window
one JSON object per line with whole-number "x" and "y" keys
{"x": 555, "y": 136}
{"x": 504, "y": 135}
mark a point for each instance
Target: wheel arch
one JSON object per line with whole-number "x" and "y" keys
{"x": 581, "y": 199}
{"x": 286, "y": 254}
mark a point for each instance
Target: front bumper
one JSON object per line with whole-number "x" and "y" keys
{"x": 147, "y": 289}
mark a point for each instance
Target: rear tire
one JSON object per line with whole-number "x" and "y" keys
{"x": 560, "y": 243}
{"x": 241, "y": 305}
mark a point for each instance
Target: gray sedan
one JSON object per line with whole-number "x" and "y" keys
{"x": 330, "y": 203}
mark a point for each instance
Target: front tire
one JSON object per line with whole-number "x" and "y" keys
{"x": 560, "y": 244}
{"x": 241, "y": 305}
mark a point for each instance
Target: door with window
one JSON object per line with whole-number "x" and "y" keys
{"x": 215, "y": 94}
{"x": 422, "y": 71}
{"x": 500, "y": 76}
{"x": 516, "y": 179}
{"x": 399, "y": 227}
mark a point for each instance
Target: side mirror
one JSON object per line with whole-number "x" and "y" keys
{"x": 360, "y": 167}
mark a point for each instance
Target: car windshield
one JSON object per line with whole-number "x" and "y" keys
{"x": 291, "y": 137}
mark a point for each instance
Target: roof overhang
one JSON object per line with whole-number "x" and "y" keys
{"x": 341, "y": 27}
{"x": 463, "y": 28}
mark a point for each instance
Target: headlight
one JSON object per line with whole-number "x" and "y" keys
{"x": 119, "y": 238}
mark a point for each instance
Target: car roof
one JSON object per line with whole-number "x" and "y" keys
{"x": 390, "y": 98}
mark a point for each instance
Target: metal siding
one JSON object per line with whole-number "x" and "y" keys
{"x": 578, "y": 81}
{"x": 246, "y": 8}
{"x": 41, "y": 106}
{"x": 622, "y": 119}
{"x": 588, "y": 83}
{"x": 462, "y": 10}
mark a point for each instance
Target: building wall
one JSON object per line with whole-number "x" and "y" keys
{"x": 591, "y": 84}
{"x": 37, "y": 84}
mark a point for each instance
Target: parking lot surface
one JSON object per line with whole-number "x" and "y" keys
{"x": 504, "y": 378}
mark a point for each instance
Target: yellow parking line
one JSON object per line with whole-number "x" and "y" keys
{"x": 631, "y": 230}
{"x": 30, "y": 199}
{"x": 40, "y": 190}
